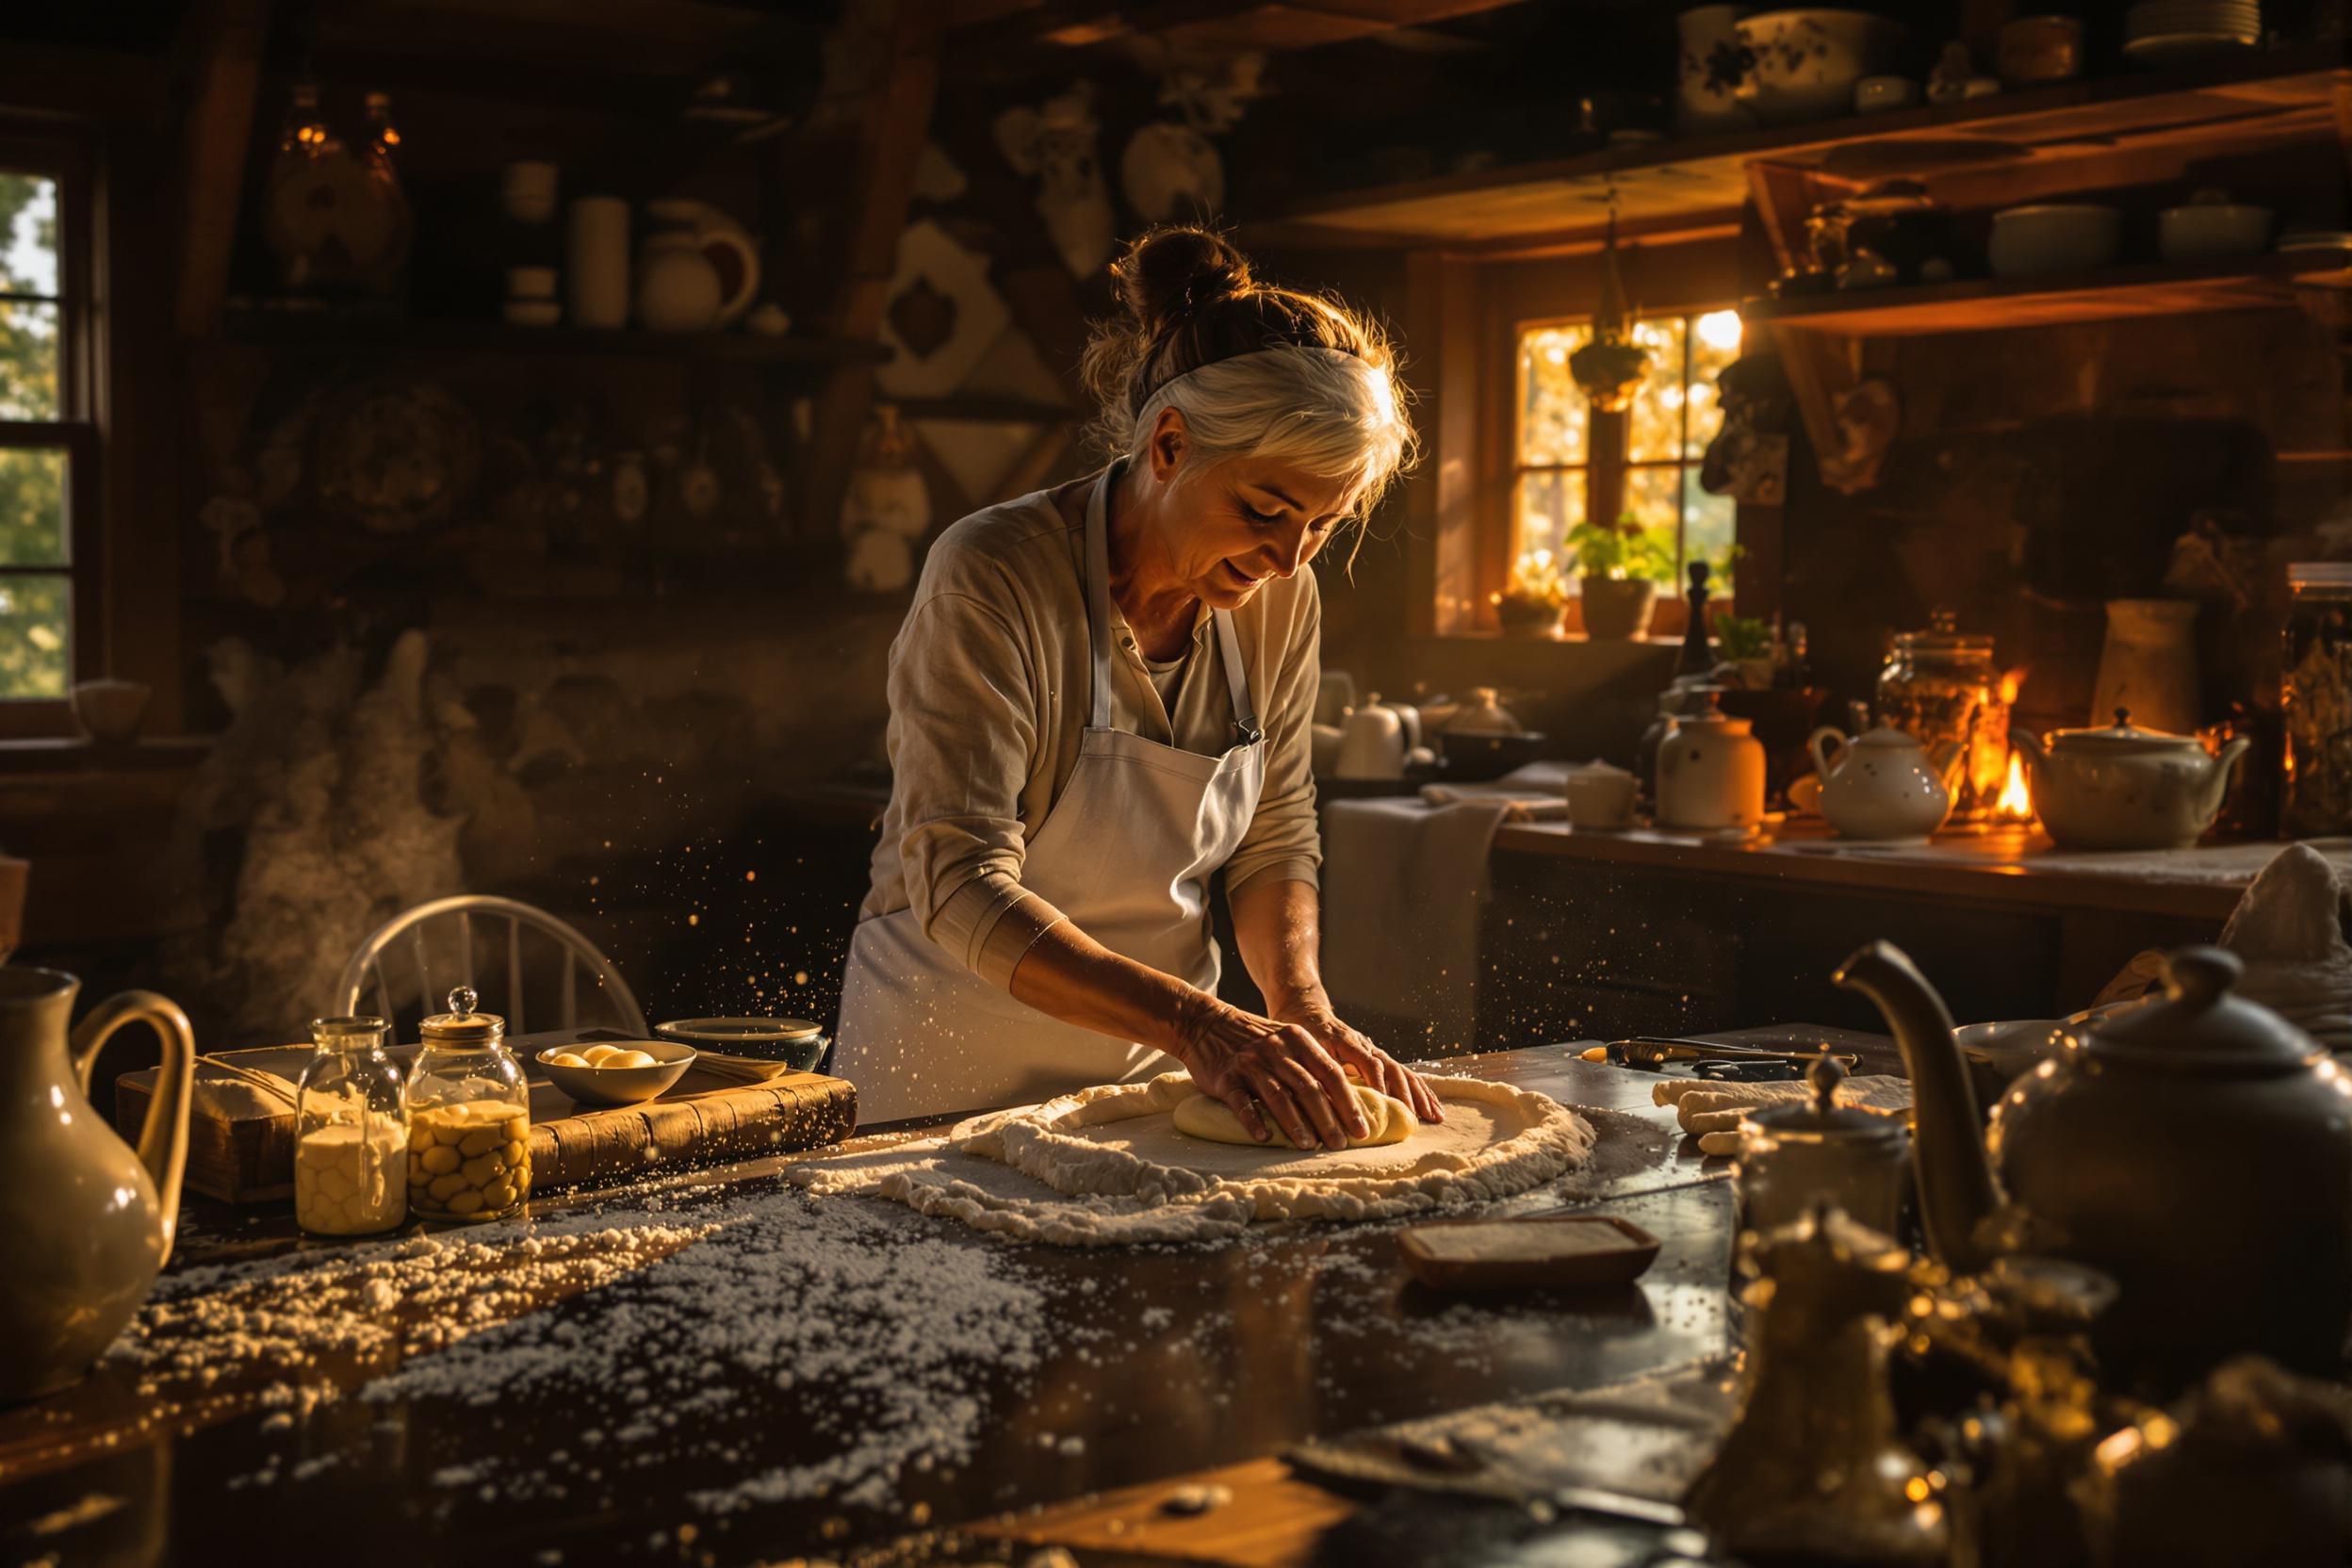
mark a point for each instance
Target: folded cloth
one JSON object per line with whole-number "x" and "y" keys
{"x": 1403, "y": 884}
{"x": 1537, "y": 792}
{"x": 1713, "y": 1110}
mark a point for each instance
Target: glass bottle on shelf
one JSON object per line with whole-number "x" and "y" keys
{"x": 350, "y": 1132}
{"x": 2315, "y": 702}
{"x": 383, "y": 275}
{"x": 1940, "y": 685}
{"x": 470, "y": 1118}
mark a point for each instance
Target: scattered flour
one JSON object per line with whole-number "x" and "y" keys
{"x": 893, "y": 1320}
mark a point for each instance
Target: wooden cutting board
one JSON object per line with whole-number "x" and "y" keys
{"x": 244, "y": 1153}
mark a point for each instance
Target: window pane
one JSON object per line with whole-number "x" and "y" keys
{"x": 32, "y": 508}
{"x": 1714, "y": 344}
{"x": 28, "y": 234}
{"x": 35, "y": 636}
{"x": 1553, "y": 413}
{"x": 29, "y": 361}
{"x": 1653, "y": 423}
{"x": 1650, "y": 494}
{"x": 1549, "y": 504}
{"x": 1708, "y": 527}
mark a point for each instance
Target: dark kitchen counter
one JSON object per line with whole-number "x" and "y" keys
{"x": 1119, "y": 1368}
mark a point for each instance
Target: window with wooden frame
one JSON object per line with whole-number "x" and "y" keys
{"x": 1574, "y": 463}
{"x": 50, "y": 625}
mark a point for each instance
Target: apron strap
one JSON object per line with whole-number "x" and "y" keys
{"x": 1099, "y": 594}
{"x": 1097, "y": 562}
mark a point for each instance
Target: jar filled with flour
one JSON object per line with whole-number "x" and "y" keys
{"x": 469, "y": 1118}
{"x": 350, "y": 1133}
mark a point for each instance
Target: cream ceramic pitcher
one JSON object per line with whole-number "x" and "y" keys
{"x": 85, "y": 1224}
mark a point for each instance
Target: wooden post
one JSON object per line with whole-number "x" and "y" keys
{"x": 215, "y": 137}
{"x": 895, "y": 121}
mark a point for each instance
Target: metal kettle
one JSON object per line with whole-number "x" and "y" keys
{"x": 2197, "y": 1150}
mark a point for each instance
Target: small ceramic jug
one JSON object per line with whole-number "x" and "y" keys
{"x": 1710, "y": 772}
{"x": 677, "y": 289}
{"x": 86, "y": 1222}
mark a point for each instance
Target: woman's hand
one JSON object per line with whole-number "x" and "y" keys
{"x": 1247, "y": 1061}
{"x": 1355, "y": 1051}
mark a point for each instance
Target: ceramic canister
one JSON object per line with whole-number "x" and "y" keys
{"x": 1710, "y": 773}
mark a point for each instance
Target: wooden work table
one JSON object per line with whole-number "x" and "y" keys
{"x": 1158, "y": 1362}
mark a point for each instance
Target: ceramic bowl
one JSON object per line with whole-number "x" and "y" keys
{"x": 110, "y": 710}
{"x": 619, "y": 1085}
{"x": 2210, "y": 229}
{"x": 1807, "y": 61}
{"x": 795, "y": 1041}
{"x": 2054, "y": 237}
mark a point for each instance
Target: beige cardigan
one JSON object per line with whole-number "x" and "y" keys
{"x": 988, "y": 690}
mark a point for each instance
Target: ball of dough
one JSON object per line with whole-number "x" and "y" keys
{"x": 1390, "y": 1119}
{"x": 567, "y": 1058}
{"x": 595, "y": 1054}
{"x": 628, "y": 1058}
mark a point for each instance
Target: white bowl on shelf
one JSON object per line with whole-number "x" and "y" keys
{"x": 2054, "y": 238}
{"x": 2205, "y": 230}
{"x": 1807, "y": 61}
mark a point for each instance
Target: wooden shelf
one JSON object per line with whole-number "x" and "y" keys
{"x": 1660, "y": 185}
{"x": 326, "y": 333}
{"x": 2168, "y": 288}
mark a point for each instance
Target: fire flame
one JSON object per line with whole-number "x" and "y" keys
{"x": 2017, "y": 802}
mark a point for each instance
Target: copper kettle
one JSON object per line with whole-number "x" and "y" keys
{"x": 2199, "y": 1150}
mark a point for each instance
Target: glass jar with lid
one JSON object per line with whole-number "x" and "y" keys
{"x": 2315, "y": 701}
{"x": 350, "y": 1132}
{"x": 469, "y": 1118}
{"x": 1940, "y": 685}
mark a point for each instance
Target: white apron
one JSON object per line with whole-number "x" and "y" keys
{"x": 1126, "y": 852}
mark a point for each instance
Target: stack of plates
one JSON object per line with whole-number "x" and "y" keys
{"x": 2157, "y": 31}
{"x": 2296, "y": 241}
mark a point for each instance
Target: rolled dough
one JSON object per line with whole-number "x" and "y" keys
{"x": 1390, "y": 1119}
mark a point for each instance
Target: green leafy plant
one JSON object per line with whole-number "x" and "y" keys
{"x": 1742, "y": 636}
{"x": 1629, "y": 549}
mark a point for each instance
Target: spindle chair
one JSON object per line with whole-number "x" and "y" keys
{"x": 415, "y": 930}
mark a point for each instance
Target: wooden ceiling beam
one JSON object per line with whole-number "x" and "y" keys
{"x": 230, "y": 36}
{"x": 1206, "y": 24}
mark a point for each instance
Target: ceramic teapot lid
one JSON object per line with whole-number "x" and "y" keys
{"x": 461, "y": 1025}
{"x": 2200, "y": 1027}
{"x": 2121, "y": 738}
{"x": 1886, "y": 738}
{"x": 1821, "y": 1119}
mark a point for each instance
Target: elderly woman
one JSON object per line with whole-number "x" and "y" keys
{"x": 1100, "y": 696}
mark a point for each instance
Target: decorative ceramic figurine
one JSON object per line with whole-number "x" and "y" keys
{"x": 887, "y": 506}
{"x": 1172, "y": 170}
{"x": 1056, "y": 143}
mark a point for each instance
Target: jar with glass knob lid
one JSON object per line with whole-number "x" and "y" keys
{"x": 350, "y": 1132}
{"x": 469, "y": 1118}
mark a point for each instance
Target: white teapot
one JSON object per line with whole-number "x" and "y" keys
{"x": 1884, "y": 784}
{"x": 1380, "y": 740}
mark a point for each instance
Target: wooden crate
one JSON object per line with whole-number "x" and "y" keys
{"x": 250, "y": 1159}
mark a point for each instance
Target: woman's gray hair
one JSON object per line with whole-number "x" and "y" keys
{"x": 1329, "y": 412}
{"x": 1255, "y": 370}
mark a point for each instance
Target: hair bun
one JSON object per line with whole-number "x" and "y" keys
{"x": 1171, "y": 271}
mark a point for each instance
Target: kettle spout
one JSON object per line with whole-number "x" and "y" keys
{"x": 1956, "y": 1192}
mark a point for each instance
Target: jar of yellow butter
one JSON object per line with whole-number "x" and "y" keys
{"x": 468, "y": 1118}
{"x": 350, "y": 1133}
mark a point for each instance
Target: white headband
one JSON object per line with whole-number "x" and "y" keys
{"x": 1158, "y": 400}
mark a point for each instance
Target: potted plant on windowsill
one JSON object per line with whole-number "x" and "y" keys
{"x": 1531, "y": 602}
{"x": 1620, "y": 567}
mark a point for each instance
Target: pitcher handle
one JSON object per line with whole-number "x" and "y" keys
{"x": 163, "y": 1140}
{"x": 1821, "y": 753}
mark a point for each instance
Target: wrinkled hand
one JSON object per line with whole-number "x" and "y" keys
{"x": 1247, "y": 1061}
{"x": 1367, "y": 1062}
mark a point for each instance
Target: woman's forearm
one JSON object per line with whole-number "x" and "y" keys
{"x": 1072, "y": 977}
{"x": 1278, "y": 924}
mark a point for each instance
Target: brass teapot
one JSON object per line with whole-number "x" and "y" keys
{"x": 2199, "y": 1150}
